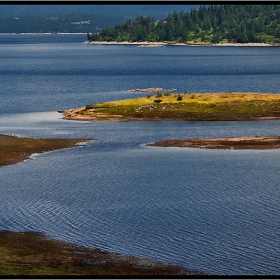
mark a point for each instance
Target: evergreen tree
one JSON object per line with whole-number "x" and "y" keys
{"x": 212, "y": 24}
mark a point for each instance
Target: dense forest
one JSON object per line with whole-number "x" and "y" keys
{"x": 203, "y": 25}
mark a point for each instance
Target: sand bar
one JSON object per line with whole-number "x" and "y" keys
{"x": 16, "y": 149}
{"x": 256, "y": 143}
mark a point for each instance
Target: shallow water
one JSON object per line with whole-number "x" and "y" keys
{"x": 214, "y": 211}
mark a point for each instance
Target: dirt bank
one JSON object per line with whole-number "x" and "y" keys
{"x": 15, "y": 149}
{"x": 32, "y": 253}
{"x": 256, "y": 143}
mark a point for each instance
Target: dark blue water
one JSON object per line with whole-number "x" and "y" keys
{"x": 210, "y": 210}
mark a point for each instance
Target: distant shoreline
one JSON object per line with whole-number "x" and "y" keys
{"x": 159, "y": 44}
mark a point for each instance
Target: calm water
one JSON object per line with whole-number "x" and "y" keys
{"x": 210, "y": 210}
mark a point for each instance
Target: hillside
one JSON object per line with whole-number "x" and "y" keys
{"x": 205, "y": 25}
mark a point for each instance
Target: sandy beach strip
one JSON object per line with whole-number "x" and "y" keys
{"x": 151, "y": 44}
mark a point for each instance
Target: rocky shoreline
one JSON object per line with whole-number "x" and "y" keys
{"x": 159, "y": 44}
{"x": 236, "y": 143}
{"x": 151, "y": 90}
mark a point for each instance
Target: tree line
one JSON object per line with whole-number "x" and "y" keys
{"x": 207, "y": 24}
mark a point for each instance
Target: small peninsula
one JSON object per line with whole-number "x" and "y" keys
{"x": 223, "y": 106}
{"x": 16, "y": 149}
{"x": 239, "y": 143}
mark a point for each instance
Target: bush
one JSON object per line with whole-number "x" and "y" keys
{"x": 159, "y": 94}
{"x": 192, "y": 96}
{"x": 179, "y": 98}
{"x": 157, "y": 100}
{"x": 167, "y": 93}
{"x": 148, "y": 96}
{"x": 91, "y": 106}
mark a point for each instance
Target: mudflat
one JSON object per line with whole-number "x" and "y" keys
{"x": 256, "y": 143}
{"x": 15, "y": 149}
{"x": 32, "y": 253}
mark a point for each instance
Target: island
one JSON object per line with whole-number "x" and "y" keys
{"x": 223, "y": 106}
{"x": 257, "y": 143}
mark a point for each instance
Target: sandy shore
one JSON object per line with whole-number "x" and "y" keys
{"x": 158, "y": 44}
{"x": 145, "y": 43}
{"x": 244, "y": 45}
{"x": 74, "y": 114}
{"x": 256, "y": 143}
{"x": 151, "y": 90}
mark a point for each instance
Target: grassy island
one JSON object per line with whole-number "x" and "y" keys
{"x": 224, "y": 106}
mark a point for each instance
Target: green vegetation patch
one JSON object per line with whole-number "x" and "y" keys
{"x": 199, "y": 106}
{"x": 32, "y": 253}
{"x": 209, "y": 24}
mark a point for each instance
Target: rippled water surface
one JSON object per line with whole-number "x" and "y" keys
{"x": 214, "y": 211}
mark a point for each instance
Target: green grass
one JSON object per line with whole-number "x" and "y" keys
{"x": 31, "y": 253}
{"x": 198, "y": 106}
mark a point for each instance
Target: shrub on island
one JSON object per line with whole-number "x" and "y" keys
{"x": 179, "y": 98}
{"x": 157, "y": 100}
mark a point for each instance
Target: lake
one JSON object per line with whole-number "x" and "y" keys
{"x": 215, "y": 211}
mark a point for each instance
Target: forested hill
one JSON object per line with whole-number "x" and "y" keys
{"x": 203, "y": 25}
